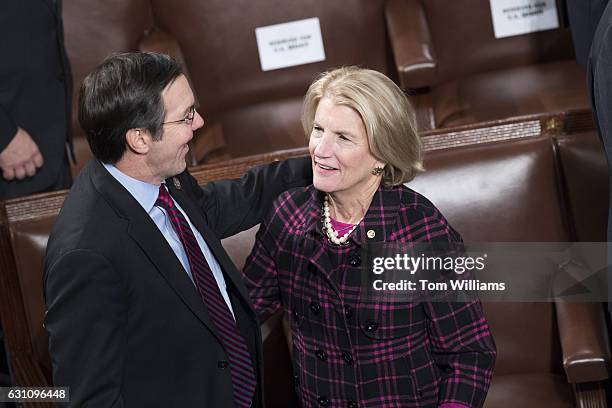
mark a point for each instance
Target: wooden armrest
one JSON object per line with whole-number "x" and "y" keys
{"x": 411, "y": 43}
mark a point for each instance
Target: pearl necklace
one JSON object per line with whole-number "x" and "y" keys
{"x": 331, "y": 233}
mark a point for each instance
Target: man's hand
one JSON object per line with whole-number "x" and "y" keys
{"x": 21, "y": 157}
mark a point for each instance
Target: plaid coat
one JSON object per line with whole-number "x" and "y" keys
{"x": 351, "y": 353}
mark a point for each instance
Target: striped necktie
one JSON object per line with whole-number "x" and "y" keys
{"x": 241, "y": 365}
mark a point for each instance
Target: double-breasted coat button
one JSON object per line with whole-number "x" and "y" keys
{"x": 315, "y": 307}
{"x": 321, "y": 355}
{"x": 354, "y": 259}
{"x": 348, "y": 312}
{"x": 351, "y": 404}
{"x": 222, "y": 364}
{"x": 371, "y": 234}
{"x": 323, "y": 401}
{"x": 296, "y": 380}
{"x": 348, "y": 358}
{"x": 371, "y": 326}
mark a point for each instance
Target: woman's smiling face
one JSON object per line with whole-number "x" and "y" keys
{"x": 341, "y": 157}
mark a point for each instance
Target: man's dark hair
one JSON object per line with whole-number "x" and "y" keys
{"x": 124, "y": 93}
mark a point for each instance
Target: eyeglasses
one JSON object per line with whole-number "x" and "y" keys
{"x": 188, "y": 120}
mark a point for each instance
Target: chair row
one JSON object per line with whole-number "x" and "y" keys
{"x": 443, "y": 53}
{"x": 543, "y": 179}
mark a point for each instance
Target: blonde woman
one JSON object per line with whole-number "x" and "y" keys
{"x": 306, "y": 260}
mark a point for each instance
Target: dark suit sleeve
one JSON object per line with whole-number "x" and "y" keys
{"x": 231, "y": 206}
{"x": 8, "y": 128}
{"x": 600, "y": 83}
{"x": 86, "y": 321}
{"x": 583, "y": 17}
{"x": 11, "y": 49}
{"x": 600, "y": 89}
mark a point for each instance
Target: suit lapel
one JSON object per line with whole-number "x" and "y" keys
{"x": 196, "y": 217}
{"x": 145, "y": 233}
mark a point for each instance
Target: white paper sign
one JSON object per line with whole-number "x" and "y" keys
{"x": 290, "y": 44}
{"x": 516, "y": 17}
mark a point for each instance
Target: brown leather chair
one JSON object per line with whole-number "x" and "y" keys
{"x": 507, "y": 191}
{"x": 246, "y": 111}
{"x": 259, "y": 111}
{"x": 447, "y": 51}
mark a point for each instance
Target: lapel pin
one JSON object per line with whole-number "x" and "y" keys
{"x": 371, "y": 234}
{"x": 176, "y": 183}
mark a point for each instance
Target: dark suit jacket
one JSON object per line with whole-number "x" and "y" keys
{"x": 126, "y": 325}
{"x": 599, "y": 72}
{"x": 35, "y": 87}
{"x": 584, "y": 16}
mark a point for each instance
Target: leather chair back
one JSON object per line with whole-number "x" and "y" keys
{"x": 504, "y": 192}
{"x": 464, "y": 40}
{"x": 259, "y": 111}
{"x": 25, "y": 225}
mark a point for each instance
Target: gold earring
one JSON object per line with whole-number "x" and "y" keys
{"x": 377, "y": 171}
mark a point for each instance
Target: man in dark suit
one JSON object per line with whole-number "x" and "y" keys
{"x": 145, "y": 308}
{"x": 35, "y": 99}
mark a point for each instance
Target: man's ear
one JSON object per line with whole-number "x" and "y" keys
{"x": 138, "y": 140}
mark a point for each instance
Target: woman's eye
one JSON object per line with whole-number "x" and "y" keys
{"x": 342, "y": 137}
{"x": 317, "y": 131}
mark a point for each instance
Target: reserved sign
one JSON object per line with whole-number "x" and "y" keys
{"x": 290, "y": 44}
{"x": 516, "y": 17}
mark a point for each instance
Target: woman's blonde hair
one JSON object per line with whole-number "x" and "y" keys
{"x": 386, "y": 113}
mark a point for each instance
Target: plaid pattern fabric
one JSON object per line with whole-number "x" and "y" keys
{"x": 352, "y": 353}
